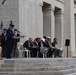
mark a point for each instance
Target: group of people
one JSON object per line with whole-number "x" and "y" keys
{"x": 40, "y": 47}
{"x": 9, "y": 42}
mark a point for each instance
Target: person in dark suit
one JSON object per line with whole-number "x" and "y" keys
{"x": 30, "y": 46}
{"x": 10, "y": 41}
{"x": 3, "y": 42}
{"x": 16, "y": 40}
{"x": 57, "y": 51}
{"x": 49, "y": 46}
{"x": 36, "y": 47}
{"x": 42, "y": 48}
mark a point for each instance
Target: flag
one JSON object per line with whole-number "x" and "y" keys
{"x": 11, "y": 23}
{"x": 1, "y": 26}
{"x": 3, "y": 2}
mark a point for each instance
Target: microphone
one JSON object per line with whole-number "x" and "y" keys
{"x": 23, "y": 36}
{"x": 18, "y": 31}
{"x": 21, "y": 33}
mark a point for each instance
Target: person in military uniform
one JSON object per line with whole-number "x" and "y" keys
{"x": 3, "y": 42}
{"x": 10, "y": 41}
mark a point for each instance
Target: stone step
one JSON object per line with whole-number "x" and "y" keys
{"x": 55, "y": 60}
{"x": 1, "y": 61}
{"x": 26, "y": 73}
{"x": 47, "y": 61}
{"x": 71, "y": 74}
{"x": 63, "y": 72}
{"x": 3, "y": 66}
{"x": 57, "y": 68}
{"x": 33, "y": 64}
{"x": 38, "y": 66}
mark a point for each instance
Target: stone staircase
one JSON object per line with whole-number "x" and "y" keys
{"x": 38, "y": 66}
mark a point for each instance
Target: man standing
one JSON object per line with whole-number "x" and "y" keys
{"x": 3, "y": 43}
{"x": 16, "y": 40}
{"x": 10, "y": 41}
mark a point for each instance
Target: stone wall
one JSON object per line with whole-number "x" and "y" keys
{"x": 9, "y": 11}
{"x": 30, "y": 18}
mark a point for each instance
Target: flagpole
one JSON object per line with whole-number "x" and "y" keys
{"x": 1, "y": 20}
{"x": 11, "y": 22}
{"x": 3, "y": 2}
{"x": 1, "y": 26}
{"x": 0, "y": 34}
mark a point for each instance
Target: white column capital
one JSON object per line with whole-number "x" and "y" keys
{"x": 52, "y": 8}
{"x": 60, "y": 12}
{"x": 49, "y": 8}
{"x": 40, "y": 4}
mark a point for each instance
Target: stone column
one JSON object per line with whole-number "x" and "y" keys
{"x": 39, "y": 20}
{"x": 52, "y": 22}
{"x": 59, "y": 27}
{"x": 48, "y": 21}
{"x": 62, "y": 42}
{"x": 62, "y": 29}
{"x": 75, "y": 32}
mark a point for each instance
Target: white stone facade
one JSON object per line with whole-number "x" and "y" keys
{"x": 36, "y": 18}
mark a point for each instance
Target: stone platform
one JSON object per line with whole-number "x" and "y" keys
{"x": 38, "y": 66}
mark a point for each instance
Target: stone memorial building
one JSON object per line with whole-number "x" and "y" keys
{"x": 36, "y": 18}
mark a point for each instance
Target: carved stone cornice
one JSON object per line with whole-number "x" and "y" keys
{"x": 52, "y": 8}
{"x": 62, "y": 1}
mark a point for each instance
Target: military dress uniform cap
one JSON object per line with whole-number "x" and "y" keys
{"x": 4, "y": 29}
{"x": 12, "y": 25}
